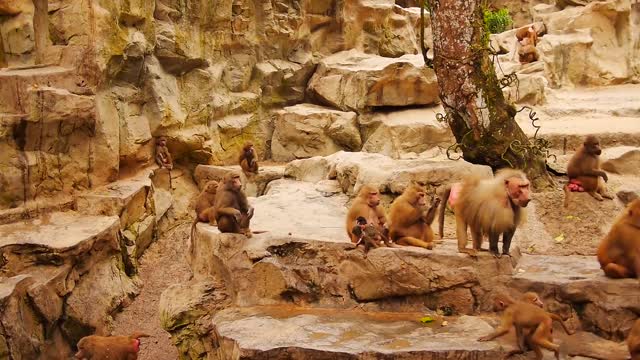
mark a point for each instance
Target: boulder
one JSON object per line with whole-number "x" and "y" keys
{"x": 348, "y": 334}
{"x": 185, "y": 312}
{"x": 253, "y": 185}
{"x": 60, "y": 287}
{"x": 407, "y": 131}
{"x": 233, "y": 131}
{"x": 606, "y": 306}
{"x": 48, "y": 105}
{"x": 352, "y": 170}
{"x": 283, "y": 82}
{"x": 286, "y": 197}
{"x": 354, "y": 81}
{"x": 577, "y": 55}
{"x": 621, "y": 160}
{"x": 162, "y": 107}
{"x": 307, "y": 130}
{"x": 173, "y": 58}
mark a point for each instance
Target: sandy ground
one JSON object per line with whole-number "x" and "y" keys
{"x": 163, "y": 264}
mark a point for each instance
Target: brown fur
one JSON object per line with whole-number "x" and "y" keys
{"x": 411, "y": 219}
{"x": 527, "y": 54}
{"x": 527, "y": 315}
{"x": 205, "y": 209}
{"x": 96, "y": 347}
{"x": 585, "y": 167}
{"x": 633, "y": 341}
{"x": 530, "y": 36}
{"x": 233, "y": 213}
{"x": 488, "y": 208}
{"x": 248, "y": 159}
{"x": 527, "y": 42}
{"x": 619, "y": 251}
{"x": 163, "y": 157}
{"x": 367, "y": 205}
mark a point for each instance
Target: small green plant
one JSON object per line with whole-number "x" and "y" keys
{"x": 497, "y": 21}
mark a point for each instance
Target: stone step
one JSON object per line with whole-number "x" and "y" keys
{"x": 612, "y": 131}
{"x": 61, "y": 278}
{"x": 55, "y": 238}
{"x": 353, "y": 169}
{"x": 355, "y": 334}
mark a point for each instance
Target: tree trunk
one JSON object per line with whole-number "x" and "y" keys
{"x": 481, "y": 120}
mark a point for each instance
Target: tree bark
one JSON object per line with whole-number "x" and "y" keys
{"x": 482, "y": 121}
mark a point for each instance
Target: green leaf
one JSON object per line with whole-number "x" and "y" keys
{"x": 426, "y": 320}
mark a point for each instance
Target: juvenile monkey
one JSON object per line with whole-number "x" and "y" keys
{"x": 163, "y": 157}
{"x": 489, "y": 207}
{"x": 633, "y": 341}
{"x": 248, "y": 159}
{"x": 368, "y": 235}
{"x": 524, "y": 337}
{"x": 411, "y": 218}
{"x": 524, "y": 315}
{"x": 619, "y": 251}
{"x": 367, "y": 204}
{"x": 233, "y": 213}
{"x": 584, "y": 170}
{"x": 96, "y": 347}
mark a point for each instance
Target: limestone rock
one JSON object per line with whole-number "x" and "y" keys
{"x": 621, "y": 160}
{"x": 283, "y": 82}
{"x": 575, "y": 54}
{"x": 318, "y": 335}
{"x": 278, "y": 269}
{"x": 172, "y": 56}
{"x": 235, "y": 130}
{"x": 353, "y": 170}
{"x": 628, "y": 194}
{"x": 354, "y": 81}
{"x": 396, "y": 133}
{"x": 286, "y": 197}
{"x": 55, "y": 105}
{"x": 564, "y": 3}
{"x": 253, "y": 185}
{"x": 237, "y": 74}
{"x": 97, "y": 294}
{"x": 608, "y": 305}
{"x": 307, "y": 130}
{"x": 162, "y": 108}
{"x": 529, "y": 89}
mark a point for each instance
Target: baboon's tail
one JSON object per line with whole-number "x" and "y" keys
{"x": 443, "y": 206}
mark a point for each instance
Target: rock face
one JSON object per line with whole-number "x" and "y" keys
{"x": 64, "y": 274}
{"x": 621, "y": 160}
{"x": 352, "y": 170}
{"x": 355, "y": 81}
{"x": 306, "y": 130}
{"x": 253, "y": 185}
{"x": 404, "y": 132}
{"x": 69, "y": 282}
{"x": 574, "y": 54}
{"x": 345, "y": 335}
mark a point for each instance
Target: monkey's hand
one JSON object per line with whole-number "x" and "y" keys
{"x": 237, "y": 215}
{"x": 604, "y": 176}
{"x": 435, "y": 202}
{"x": 485, "y": 338}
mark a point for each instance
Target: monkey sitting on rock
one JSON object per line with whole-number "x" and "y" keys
{"x": 368, "y": 235}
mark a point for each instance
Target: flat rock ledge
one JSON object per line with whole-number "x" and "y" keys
{"x": 274, "y": 269}
{"x": 61, "y": 277}
{"x": 321, "y": 334}
{"x": 314, "y": 334}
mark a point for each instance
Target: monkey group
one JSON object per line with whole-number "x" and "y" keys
{"x": 527, "y": 37}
